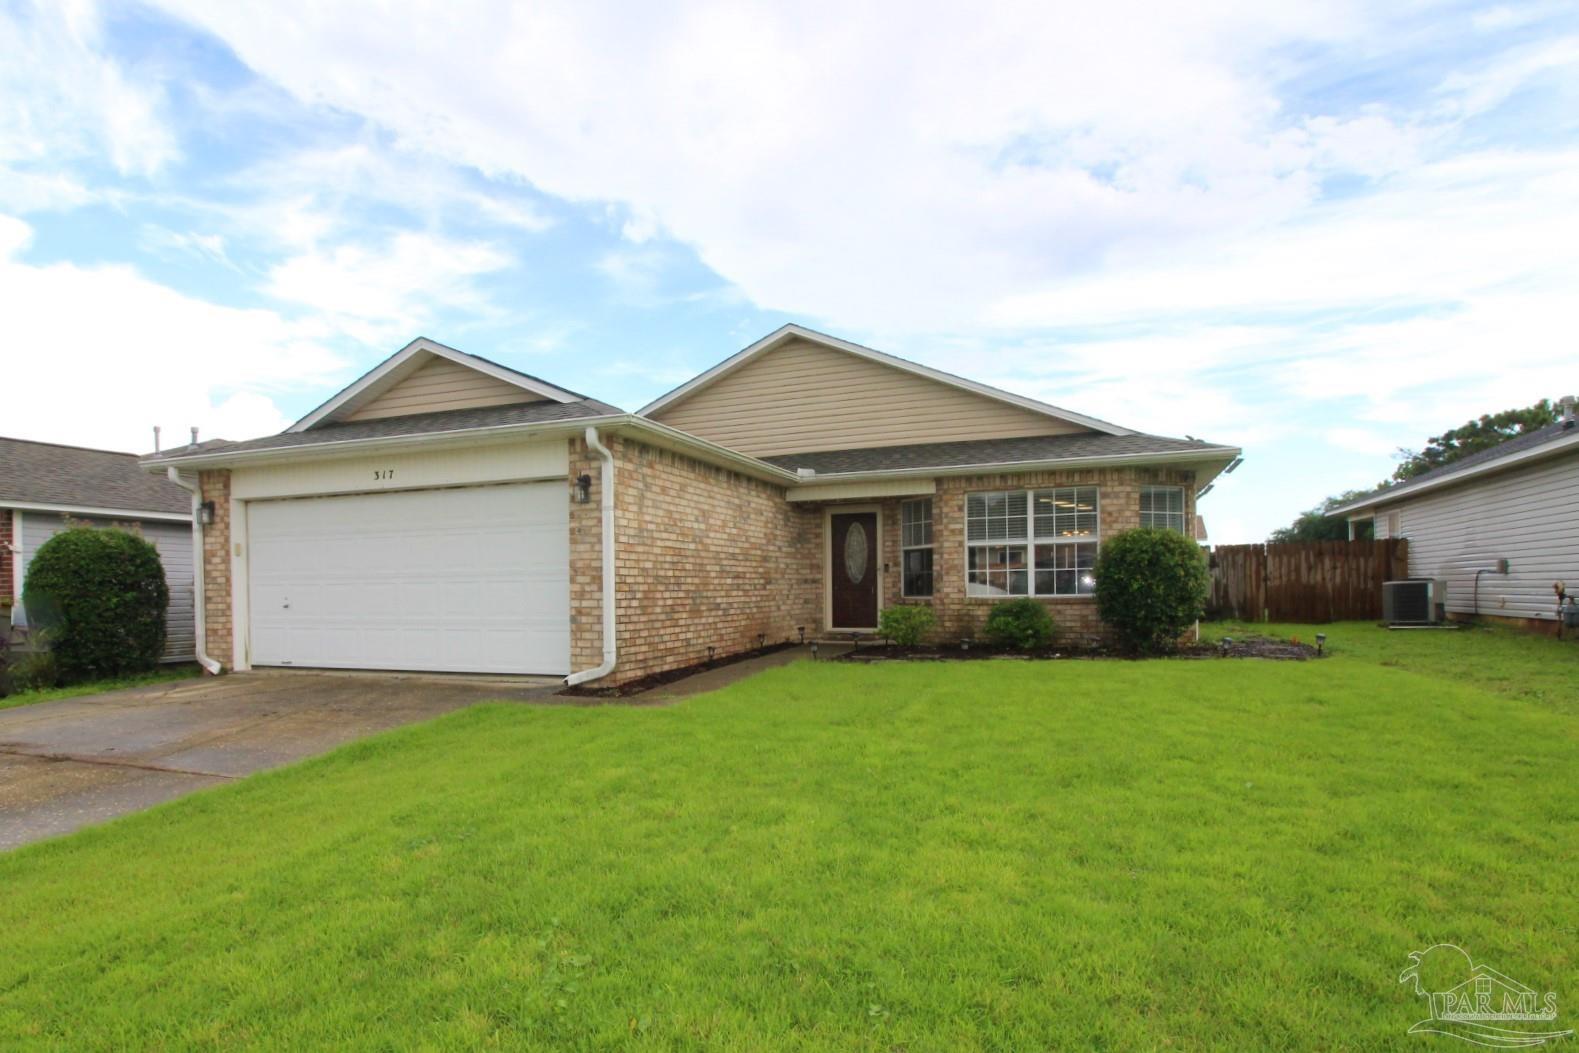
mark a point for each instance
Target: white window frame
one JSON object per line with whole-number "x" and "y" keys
{"x": 906, "y": 547}
{"x": 1031, "y": 541}
{"x": 1183, "y": 514}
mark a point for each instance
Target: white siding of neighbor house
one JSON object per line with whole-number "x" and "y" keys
{"x": 1528, "y": 516}
{"x": 174, "y": 542}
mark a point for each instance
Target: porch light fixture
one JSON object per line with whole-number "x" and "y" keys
{"x": 583, "y": 488}
{"x": 205, "y": 513}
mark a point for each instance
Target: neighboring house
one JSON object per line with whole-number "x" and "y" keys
{"x": 43, "y": 485}
{"x": 447, "y": 513}
{"x": 1518, "y": 501}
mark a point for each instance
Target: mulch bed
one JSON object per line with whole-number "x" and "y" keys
{"x": 1247, "y": 647}
{"x": 647, "y": 683}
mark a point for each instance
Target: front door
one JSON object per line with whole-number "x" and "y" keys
{"x": 853, "y": 575}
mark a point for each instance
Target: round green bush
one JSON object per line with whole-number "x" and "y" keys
{"x": 98, "y": 597}
{"x": 1152, "y": 585}
{"x": 906, "y": 624}
{"x": 1023, "y": 625}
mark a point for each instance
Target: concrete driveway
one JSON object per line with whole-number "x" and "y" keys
{"x": 82, "y": 760}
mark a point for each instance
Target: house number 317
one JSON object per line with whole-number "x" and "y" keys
{"x": 381, "y": 474}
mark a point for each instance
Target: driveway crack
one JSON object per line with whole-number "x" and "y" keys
{"x": 110, "y": 762}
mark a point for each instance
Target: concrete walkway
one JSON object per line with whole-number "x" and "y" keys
{"x": 78, "y": 761}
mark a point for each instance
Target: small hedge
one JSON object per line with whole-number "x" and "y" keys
{"x": 98, "y": 598}
{"x": 1152, "y": 585}
{"x": 907, "y": 624}
{"x": 1023, "y": 625}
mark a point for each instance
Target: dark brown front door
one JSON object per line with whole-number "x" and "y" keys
{"x": 854, "y": 570}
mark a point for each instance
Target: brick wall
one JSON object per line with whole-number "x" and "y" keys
{"x": 7, "y": 561}
{"x": 705, "y": 558}
{"x": 215, "y": 486}
{"x": 960, "y": 615}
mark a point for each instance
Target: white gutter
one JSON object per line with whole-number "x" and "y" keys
{"x": 610, "y": 647}
{"x": 203, "y": 659}
{"x": 100, "y": 513}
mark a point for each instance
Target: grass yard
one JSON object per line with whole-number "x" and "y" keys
{"x": 1189, "y": 855}
{"x": 94, "y": 687}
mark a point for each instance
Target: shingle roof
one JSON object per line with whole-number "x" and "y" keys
{"x": 41, "y": 473}
{"x": 1507, "y": 448}
{"x": 988, "y": 451}
{"x": 414, "y": 424}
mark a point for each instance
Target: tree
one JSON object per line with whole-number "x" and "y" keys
{"x": 1475, "y": 436}
{"x": 1315, "y": 524}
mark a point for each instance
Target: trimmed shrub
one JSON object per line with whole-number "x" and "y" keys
{"x": 1023, "y": 625}
{"x": 1151, "y": 587}
{"x": 99, "y": 597}
{"x": 905, "y": 625}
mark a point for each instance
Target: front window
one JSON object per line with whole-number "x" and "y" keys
{"x": 1162, "y": 507}
{"x": 1032, "y": 543}
{"x": 915, "y": 545}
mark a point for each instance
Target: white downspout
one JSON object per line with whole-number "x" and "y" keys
{"x": 610, "y": 649}
{"x": 213, "y": 667}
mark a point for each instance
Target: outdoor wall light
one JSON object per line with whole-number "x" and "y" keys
{"x": 205, "y": 513}
{"x": 583, "y": 488}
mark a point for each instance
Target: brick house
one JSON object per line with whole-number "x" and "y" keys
{"x": 447, "y": 513}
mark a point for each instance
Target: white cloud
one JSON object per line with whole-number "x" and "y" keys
{"x": 104, "y": 354}
{"x": 938, "y": 156}
{"x": 67, "y": 101}
{"x": 386, "y": 293}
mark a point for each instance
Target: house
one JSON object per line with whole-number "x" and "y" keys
{"x": 43, "y": 486}
{"x": 446, "y": 513}
{"x": 1518, "y": 501}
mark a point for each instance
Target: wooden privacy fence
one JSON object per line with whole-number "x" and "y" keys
{"x": 1305, "y": 581}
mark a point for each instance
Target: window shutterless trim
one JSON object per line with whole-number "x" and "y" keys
{"x": 905, "y": 548}
{"x": 1030, "y": 541}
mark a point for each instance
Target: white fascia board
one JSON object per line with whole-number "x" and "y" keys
{"x": 394, "y": 363}
{"x": 347, "y": 447}
{"x": 651, "y": 431}
{"x": 101, "y": 513}
{"x": 814, "y": 490}
{"x": 1218, "y": 455}
{"x": 792, "y": 331}
{"x": 1409, "y": 490}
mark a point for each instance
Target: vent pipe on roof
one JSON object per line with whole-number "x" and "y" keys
{"x": 194, "y": 436}
{"x": 156, "y": 438}
{"x": 1568, "y": 412}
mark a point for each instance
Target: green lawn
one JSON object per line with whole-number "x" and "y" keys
{"x": 94, "y": 687}
{"x": 1084, "y": 855}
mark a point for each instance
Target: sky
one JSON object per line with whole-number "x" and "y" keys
{"x": 1319, "y": 231}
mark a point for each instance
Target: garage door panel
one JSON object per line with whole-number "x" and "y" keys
{"x": 462, "y": 580}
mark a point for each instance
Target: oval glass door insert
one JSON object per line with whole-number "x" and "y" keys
{"x": 856, "y": 551}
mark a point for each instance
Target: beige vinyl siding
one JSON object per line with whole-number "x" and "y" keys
{"x": 801, "y": 397}
{"x": 443, "y": 385}
{"x": 1526, "y": 516}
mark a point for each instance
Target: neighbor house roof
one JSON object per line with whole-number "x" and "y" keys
{"x": 786, "y": 333}
{"x": 999, "y": 452}
{"x": 1548, "y": 441}
{"x": 50, "y": 477}
{"x": 399, "y": 427}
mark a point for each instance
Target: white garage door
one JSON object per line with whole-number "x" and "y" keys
{"x": 471, "y": 580}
